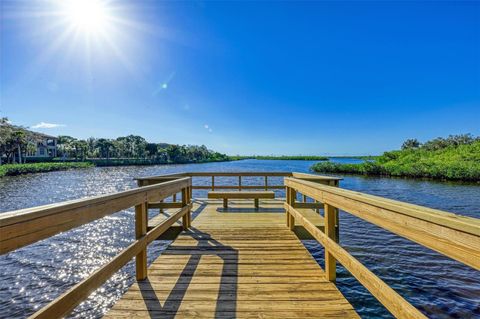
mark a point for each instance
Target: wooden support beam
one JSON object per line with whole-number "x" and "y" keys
{"x": 330, "y": 261}
{"x": 189, "y": 201}
{"x": 287, "y": 213}
{"x": 255, "y": 201}
{"x": 337, "y": 226}
{"x": 190, "y": 190}
{"x": 160, "y": 211}
{"x": 184, "y": 204}
{"x": 292, "y": 199}
{"x": 140, "y": 231}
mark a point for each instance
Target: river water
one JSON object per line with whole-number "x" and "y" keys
{"x": 32, "y": 276}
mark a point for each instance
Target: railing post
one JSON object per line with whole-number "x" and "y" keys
{"x": 239, "y": 183}
{"x": 213, "y": 182}
{"x": 337, "y": 218}
{"x": 337, "y": 226}
{"x": 266, "y": 182}
{"x": 291, "y": 195}
{"x": 141, "y": 220}
{"x": 330, "y": 262}
{"x": 287, "y": 199}
{"x": 189, "y": 202}
{"x": 185, "y": 218}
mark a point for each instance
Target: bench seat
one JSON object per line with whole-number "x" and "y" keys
{"x": 241, "y": 195}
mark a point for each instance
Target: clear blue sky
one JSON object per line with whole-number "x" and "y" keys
{"x": 331, "y": 78}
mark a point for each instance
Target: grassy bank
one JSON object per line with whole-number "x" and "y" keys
{"x": 57, "y": 164}
{"x": 18, "y": 169}
{"x": 447, "y": 161}
{"x": 283, "y": 157}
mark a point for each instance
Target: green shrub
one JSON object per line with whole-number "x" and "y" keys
{"x": 447, "y": 161}
{"x": 18, "y": 169}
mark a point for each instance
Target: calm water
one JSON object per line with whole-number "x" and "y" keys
{"x": 34, "y": 275}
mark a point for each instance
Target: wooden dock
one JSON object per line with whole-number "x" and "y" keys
{"x": 236, "y": 260}
{"x": 235, "y": 263}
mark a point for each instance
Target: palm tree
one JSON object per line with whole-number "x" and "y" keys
{"x": 5, "y": 133}
{"x": 65, "y": 145}
{"x": 104, "y": 146}
{"x": 410, "y": 143}
{"x": 18, "y": 143}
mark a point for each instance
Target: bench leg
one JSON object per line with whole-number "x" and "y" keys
{"x": 256, "y": 202}
{"x": 225, "y": 203}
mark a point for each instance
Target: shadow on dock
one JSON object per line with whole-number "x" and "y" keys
{"x": 201, "y": 206}
{"x": 226, "y": 301}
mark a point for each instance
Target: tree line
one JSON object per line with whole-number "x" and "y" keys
{"x": 16, "y": 141}
{"x": 440, "y": 142}
{"x": 136, "y": 147}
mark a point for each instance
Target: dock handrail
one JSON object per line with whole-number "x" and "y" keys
{"x": 455, "y": 236}
{"x": 328, "y": 180}
{"x": 23, "y": 227}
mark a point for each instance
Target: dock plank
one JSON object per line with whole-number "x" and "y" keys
{"x": 235, "y": 263}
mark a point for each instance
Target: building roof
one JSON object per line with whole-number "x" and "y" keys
{"x": 43, "y": 135}
{"x": 36, "y": 134}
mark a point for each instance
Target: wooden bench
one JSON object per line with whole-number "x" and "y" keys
{"x": 241, "y": 195}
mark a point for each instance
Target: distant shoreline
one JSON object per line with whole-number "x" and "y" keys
{"x": 281, "y": 157}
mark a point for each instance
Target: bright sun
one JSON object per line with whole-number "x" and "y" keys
{"x": 89, "y": 16}
{"x": 90, "y": 35}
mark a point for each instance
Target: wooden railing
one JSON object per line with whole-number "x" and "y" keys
{"x": 23, "y": 227}
{"x": 455, "y": 236}
{"x": 327, "y": 180}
